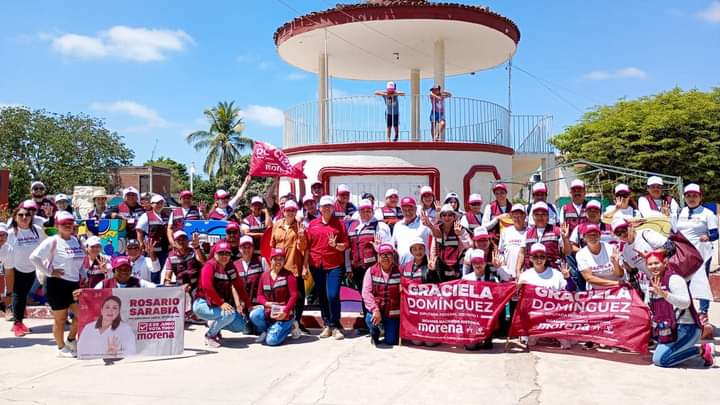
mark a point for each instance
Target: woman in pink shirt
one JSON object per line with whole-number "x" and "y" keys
{"x": 381, "y": 294}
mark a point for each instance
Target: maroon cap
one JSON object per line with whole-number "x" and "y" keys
{"x": 587, "y": 228}
{"x": 223, "y": 247}
{"x": 120, "y": 261}
{"x": 232, "y": 226}
{"x": 277, "y": 252}
{"x": 407, "y": 201}
{"x": 186, "y": 193}
{"x": 499, "y": 186}
{"x": 386, "y": 248}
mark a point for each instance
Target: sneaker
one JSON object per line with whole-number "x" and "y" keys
{"x": 707, "y": 354}
{"x": 65, "y": 352}
{"x": 71, "y": 344}
{"x": 326, "y": 332}
{"x": 337, "y": 334}
{"x": 295, "y": 333}
{"x": 25, "y": 328}
{"x": 18, "y": 330}
{"x": 261, "y": 338}
{"x": 212, "y": 341}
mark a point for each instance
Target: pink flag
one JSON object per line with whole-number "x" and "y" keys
{"x": 270, "y": 161}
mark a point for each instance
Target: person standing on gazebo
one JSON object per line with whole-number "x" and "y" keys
{"x": 392, "y": 112}
{"x": 437, "y": 112}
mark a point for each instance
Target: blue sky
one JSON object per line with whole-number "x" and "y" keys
{"x": 150, "y": 67}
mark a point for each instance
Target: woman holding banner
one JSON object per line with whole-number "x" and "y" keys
{"x": 381, "y": 295}
{"x": 277, "y": 295}
{"x": 480, "y": 272}
{"x": 675, "y": 323}
{"x": 109, "y": 336}
{"x": 61, "y": 257}
{"x": 215, "y": 298}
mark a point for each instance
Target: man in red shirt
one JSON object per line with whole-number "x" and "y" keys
{"x": 327, "y": 241}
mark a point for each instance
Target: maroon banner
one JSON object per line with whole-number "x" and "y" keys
{"x": 614, "y": 317}
{"x": 268, "y": 160}
{"x": 455, "y": 312}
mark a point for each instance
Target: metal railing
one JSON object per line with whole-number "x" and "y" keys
{"x": 361, "y": 119}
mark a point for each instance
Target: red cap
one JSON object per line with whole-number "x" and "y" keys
{"x": 120, "y": 261}
{"x": 386, "y": 248}
{"x": 232, "y": 226}
{"x": 500, "y": 186}
{"x": 186, "y": 193}
{"x": 223, "y": 247}
{"x": 587, "y": 228}
{"x": 407, "y": 201}
{"x": 277, "y": 252}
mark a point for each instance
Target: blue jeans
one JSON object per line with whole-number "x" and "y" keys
{"x": 231, "y": 321}
{"x": 392, "y": 329}
{"x": 681, "y": 350}
{"x": 327, "y": 288}
{"x": 704, "y": 306}
{"x": 277, "y": 331}
{"x": 580, "y": 283}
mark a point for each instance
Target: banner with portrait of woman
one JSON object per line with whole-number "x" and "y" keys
{"x": 122, "y": 322}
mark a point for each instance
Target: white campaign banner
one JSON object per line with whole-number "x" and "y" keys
{"x": 122, "y": 322}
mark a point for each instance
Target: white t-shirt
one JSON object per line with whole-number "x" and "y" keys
{"x": 144, "y": 266}
{"x": 645, "y": 241}
{"x": 696, "y": 225}
{"x": 624, "y": 213}
{"x": 68, "y": 257}
{"x": 511, "y": 242}
{"x": 6, "y": 258}
{"x": 647, "y": 212}
{"x": 550, "y": 278}
{"x": 600, "y": 264}
{"x": 404, "y": 233}
{"x": 605, "y": 236}
{"x": 23, "y": 243}
{"x": 93, "y": 343}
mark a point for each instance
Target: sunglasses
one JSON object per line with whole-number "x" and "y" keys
{"x": 623, "y": 195}
{"x": 224, "y": 254}
{"x": 386, "y": 254}
{"x": 620, "y": 232}
{"x": 133, "y": 247}
{"x": 26, "y": 215}
{"x": 537, "y": 257}
{"x": 38, "y": 188}
{"x": 231, "y": 232}
{"x": 447, "y": 215}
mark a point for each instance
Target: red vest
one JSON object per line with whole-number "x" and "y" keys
{"x": 495, "y": 212}
{"x": 653, "y": 204}
{"x": 410, "y": 271}
{"x": 391, "y": 215}
{"x": 472, "y": 220}
{"x": 157, "y": 230}
{"x": 449, "y": 248}
{"x": 220, "y": 216}
{"x": 386, "y": 293}
{"x": 553, "y": 250}
{"x": 572, "y": 217}
{"x": 277, "y": 290}
{"x": 179, "y": 217}
{"x": 255, "y": 227}
{"x": 185, "y": 268}
{"x": 112, "y": 283}
{"x": 362, "y": 252}
{"x": 250, "y": 275}
{"x": 222, "y": 282}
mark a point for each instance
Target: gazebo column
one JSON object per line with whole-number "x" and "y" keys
{"x": 439, "y": 63}
{"x": 323, "y": 101}
{"x": 415, "y": 104}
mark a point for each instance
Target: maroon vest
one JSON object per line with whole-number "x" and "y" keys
{"x": 495, "y": 212}
{"x": 112, "y": 283}
{"x": 179, "y": 217}
{"x": 157, "y": 230}
{"x": 664, "y": 317}
{"x": 549, "y": 239}
{"x": 653, "y": 204}
{"x": 362, "y": 252}
{"x": 472, "y": 220}
{"x": 278, "y": 290}
{"x": 185, "y": 268}
{"x": 250, "y": 275}
{"x": 391, "y": 215}
{"x": 449, "y": 248}
{"x": 412, "y": 272}
{"x": 572, "y": 217}
{"x": 386, "y": 293}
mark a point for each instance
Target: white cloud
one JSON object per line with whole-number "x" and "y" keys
{"x": 122, "y": 42}
{"x": 151, "y": 119}
{"x": 711, "y": 14}
{"x": 264, "y": 115}
{"x": 624, "y": 73}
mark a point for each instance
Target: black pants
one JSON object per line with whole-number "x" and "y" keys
{"x": 300, "y": 303}
{"x": 21, "y": 287}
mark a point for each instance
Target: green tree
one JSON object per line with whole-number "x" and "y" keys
{"x": 224, "y": 141}
{"x": 180, "y": 176}
{"x": 674, "y": 132}
{"x": 61, "y": 150}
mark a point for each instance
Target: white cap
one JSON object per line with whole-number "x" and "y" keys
{"x": 327, "y": 200}
{"x": 517, "y": 207}
{"x": 36, "y": 183}
{"x": 416, "y": 241}
{"x": 451, "y": 194}
{"x": 478, "y": 256}
{"x": 692, "y": 188}
{"x": 343, "y": 188}
{"x": 99, "y": 193}
{"x": 290, "y": 204}
{"x": 62, "y": 216}
{"x": 622, "y": 188}
{"x": 475, "y": 198}
{"x": 655, "y": 180}
{"x": 619, "y": 223}
{"x": 179, "y": 233}
{"x": 157, "y": 198}
{"x": 447, "y": 208}
{"x": 3, "y": 227}
{"x": 593, "y": 204}
{"x": 93, "y": 241}
{"x": 537, "y": 248}
{"x": 577, "y": 183}
{"x": 61, "y": 197}
{"x": 426, "y": 190}
{"x": 365, "y": 204}
{"x": 130, "y": 190}
{"x": 540, "y": 205}
{"x": 539, "y": 187}
{"x": 390, "y": 85}
{"x": 480, "y": 233}
{"x": 256, "y": 200}
{"x": 391, "y": 192}
{"x": 221, "y": 194}
{"x": 246, "y": 239}
{"x": 308, "y": 197}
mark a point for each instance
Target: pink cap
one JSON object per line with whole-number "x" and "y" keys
{"x": 619, "y": 223}
{"x": 186, "y": 193}
{"x": 692, "y": 188}
{"x": 221, "y": 194}
{"x": 577, "y": 183}
{"x": 475, "y": 198}
{"x": 539, "y": 187}
{"x": 365, "y": 204}
{"x": 622, "y": 188}
{"x": 588, "y": 228}
{"x": 593, "y": 204}
{"x": 29, "y": 205}
{"x": 478, "y": 257}
{"x": 539, "y": 206}
{"x": 64, "y": 217}
{"x": 290, "y": 205}
{"x": 407, "y": 201}
{"x": 277, "y": 252}
{"x": 480, "y": 233}
{"x": 426, "y": 190}
{"x": 223, "y": 247}
{"x": 517, "y": 207}
{"x": 308, "y": 197}
{"x": 232, "y": 226}
{"x": 246, "y": 240}
{"x": 499, "y": 186}
{"x": 537, "y": 248}
{"x": 179, "y": 233}
{"x": 120, "y": 261}
{"x": 386, "y": 248}
{"x": 343, "y": 189}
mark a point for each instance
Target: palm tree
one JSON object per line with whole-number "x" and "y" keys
{"x": 223, "y": 141}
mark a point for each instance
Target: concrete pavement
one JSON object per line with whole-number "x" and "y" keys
{"x": 314, "y": 371}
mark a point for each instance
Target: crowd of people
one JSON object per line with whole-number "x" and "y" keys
{"x": 372, "y": 247}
